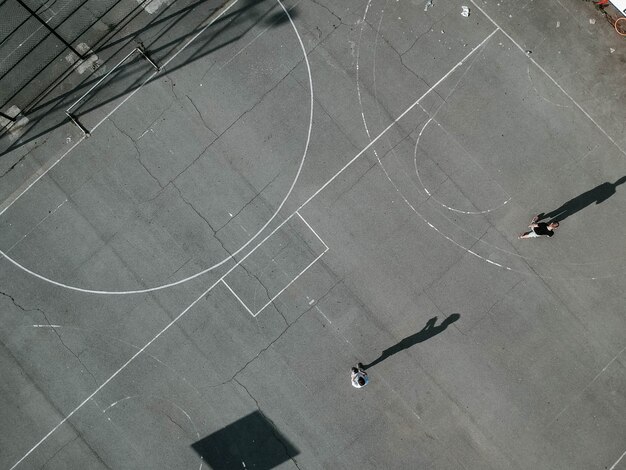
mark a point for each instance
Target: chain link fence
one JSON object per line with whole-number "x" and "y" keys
{"x": 49, "y": 35}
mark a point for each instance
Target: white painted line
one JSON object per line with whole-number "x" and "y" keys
{"x": 278, "y": 227}
{"x": 322, "y": 313}
{"x": 155, "y": 397}
{"x": 406, "y": 201}
{"x": 113, "y": 69}
{"x": 550, "y": 77}
{"x": 167, "y": 327}
{"x": 450, "y": 220}
{"x": 314, "y": 232}
{"x": 451, "y": 137}
{"x": 191, "y": 305}
{"x": 290, "y": 282}
{"x": 119, "y": 401}
{"x": 173, "y": 56}
{"x": 115, "y": 374}
{"x": 30, "y": 182}
{"x": 43, "y": 170}
{"x": 618, "y": 461}
{"x": 246, "y": 46}
{"x": 134, "y": 356}
{"x": 35, "y": 227}
{"x": 28, "y": 38}
{"x": 253, "y": 40}
{"x": 395, "y": 121}
{"x": 144, "y": 133}
{"x": 587, "y": 386}
{"x": 238, "y": 298}
{"x": 46, "y": 326}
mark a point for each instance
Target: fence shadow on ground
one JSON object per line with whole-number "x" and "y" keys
{"x": 155, "y": 40}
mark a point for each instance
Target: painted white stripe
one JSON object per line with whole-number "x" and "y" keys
{"x": 190, "y": 306}
{"x": 290, "y": 282}
{"x": 587, "y": 386}
{"x": 115, "y": 374}
{"x": 551, "y": 79}
{"x": 43, "y": 171}
{"x": 113, "y": 69}
{"x": 322, "y": 314}
{"x": 30, "y": 182}
{"x": 238, "y": 298}
{"x": 225, "y": 9}
{"x": 254, "y": 39}
{"x": 618, "y": 461}
{"x": 35, "y": 227}
{"x": 314, "y": 232}
{"x": 395, "y": 121}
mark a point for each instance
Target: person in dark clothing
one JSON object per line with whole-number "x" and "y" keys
{"x": 539, "y": 229}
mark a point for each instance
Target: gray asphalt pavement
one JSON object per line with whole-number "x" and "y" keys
{"x": 301, "y": 187}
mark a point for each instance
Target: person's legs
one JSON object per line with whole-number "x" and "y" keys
{"x": 530, "y": 234}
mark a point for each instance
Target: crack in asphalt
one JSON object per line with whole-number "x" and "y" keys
{"x": 247, "y": 204}
{"x": 138, "y": 152}
{"x": 267, "y": 293}
{"x": 204, "y": 219}
{"x": 194, "y": 209}
{"x": 57, "y": 452}
{"x": 193, "y": 161}
{"x": 22, "y": 158}
{"x": 289, "y": 325}
{"x": 200, "y": 114}
{"x": 331, "y": 12}
{"x": 272, "y": 425}
{"x": 54, "y": 329}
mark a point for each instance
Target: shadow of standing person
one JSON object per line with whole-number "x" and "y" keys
{"x": 598, "y": 195}
{"x": 427, "y": 332}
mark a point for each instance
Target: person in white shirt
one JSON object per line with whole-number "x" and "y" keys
{"x": 358, "y": 376}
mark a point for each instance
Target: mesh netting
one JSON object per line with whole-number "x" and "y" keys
{"x": 37, "y": 35}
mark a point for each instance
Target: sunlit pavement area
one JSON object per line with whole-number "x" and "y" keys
{"x": 257, "y": 195}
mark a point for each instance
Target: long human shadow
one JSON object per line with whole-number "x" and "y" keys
{"x": 598, "y": 195}
{"x": 427, "y": 332}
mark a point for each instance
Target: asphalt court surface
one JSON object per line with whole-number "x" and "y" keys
{"x": 294, "y": 193}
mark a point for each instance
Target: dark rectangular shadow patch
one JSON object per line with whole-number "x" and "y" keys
{"x": 250, "y": 442}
